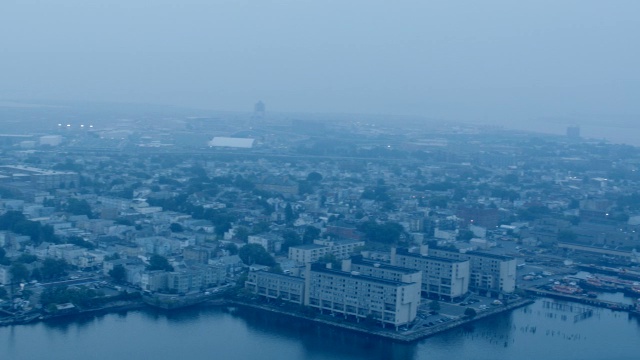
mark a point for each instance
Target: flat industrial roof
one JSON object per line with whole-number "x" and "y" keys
{"x": 220, "y": 141}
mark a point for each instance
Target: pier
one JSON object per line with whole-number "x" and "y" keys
{"x": 580, "y": 299}
{"x": 581, "y": 312}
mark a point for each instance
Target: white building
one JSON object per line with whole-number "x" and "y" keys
{"x": 276, "y": 286}
{"x": 490, "y": 273}
{"x": 5, "y": 275}
{"x": 386, "y": 294}
{"x": 341, "y": 249}
{"x": 308, "y": 253}
{"x": 441, "y": 277}
{"x": 51, "y": 140}
{"x": 381, "y": 271}
{"x": 353, "y": 294}
{"x": 220, "y": 141}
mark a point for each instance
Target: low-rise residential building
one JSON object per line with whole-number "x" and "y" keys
{"x": 154, "y": 280}
{"x": 68, "y": 252}
{"x": 183, "y": 280}
{"x": 5, "y": 275}
{"x": 108, "y": 265}
{"x": 270, "y": 242}
{"x": 307, "y": 253}
{"x": 40, "y": 179}
{"x": 197, "y": 254}
{"x": 90, "y": 259}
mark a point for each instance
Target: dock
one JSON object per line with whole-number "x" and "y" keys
{"x": 581, "y": 299}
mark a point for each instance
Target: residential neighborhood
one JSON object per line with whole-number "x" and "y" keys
{"x": 419, "y": 215}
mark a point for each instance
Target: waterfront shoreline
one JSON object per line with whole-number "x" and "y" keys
{"x": 406, "y": 336}
{"x": 43, "y": 317}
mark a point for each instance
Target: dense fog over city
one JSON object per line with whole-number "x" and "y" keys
{"x": 319, "y": 180}
{"x": 535, "y": 65}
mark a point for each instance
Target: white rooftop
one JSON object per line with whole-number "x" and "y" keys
{"x": 232, "y": 142}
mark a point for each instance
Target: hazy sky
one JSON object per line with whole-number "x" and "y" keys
{"x": 492, "y": 60}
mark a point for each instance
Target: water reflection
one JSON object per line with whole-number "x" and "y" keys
{"x": 64, "y": 324}
{"x": 535, "y": 332}
{"x": 494, "y": 331}
{"x": 330, "y": 342}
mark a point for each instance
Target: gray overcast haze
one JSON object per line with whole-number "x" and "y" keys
{"x": 497, "y": 61}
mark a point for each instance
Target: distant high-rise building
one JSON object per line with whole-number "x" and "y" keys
{"x": 259, "y": 109}
{"x": 573, "y": 132}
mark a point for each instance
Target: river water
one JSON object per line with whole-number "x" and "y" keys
{"x": 543, "y": 330}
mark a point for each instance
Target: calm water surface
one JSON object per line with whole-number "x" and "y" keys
{"x": 539, "y": 331}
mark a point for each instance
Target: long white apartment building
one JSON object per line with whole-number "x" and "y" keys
{"x": 309, "y": 253}
{"x": 441, "y": 277}
{"x": 350, "y": 293}
{"x": 381, "y": 270}
{"x": 489, "y": 273}
{"x": 276, "y": 286}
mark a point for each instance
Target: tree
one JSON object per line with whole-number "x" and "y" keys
{"x": 242, "y": 233}
{"x": 159, "y": 262}
{"x": 36, "y": 274}
{"x": 465, "y": 235}
{"x": 566, "y": 236}
{"x": 331, "y": 259}
{"x": 291, "y": 238}
{"x": 27, "y": 258}
{"x": 259, "y": 228}
{"x": 438, "y": 202}
{"x": 305, "y": 187}
{"x": 434, "y": 306}
{"x": 231, "y": 248}
{"x": 3, "y": 293}
{"x": 574, "y": 204}
{"x": 533, "y": 212}
{"x": 470, "y": 312}
{"x": 221, "y": 221}
{"x": 26, "y": 294}
{"x": 76, "y": 240}
{"x": 289, "y": 215}
{"x": 53, "y": 268}
{"x": 378, "y": 193}
{"x": 16, "y": 221}
{"x": 176, "y": 228}
{"x": 314, "y": 177}
{"x": 10, "y": 218}
{"x": 79, "y": 207}
{"x": 18, "y": 272}
{"x": 387, "y": 233}
{"x": 255, "y": 254}
{"x": 199, "y": 172}
{"x": 118, "y": 273}
{"x": 114, "y": 256}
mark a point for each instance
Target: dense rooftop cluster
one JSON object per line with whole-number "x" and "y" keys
{"x": 147, "y": 208}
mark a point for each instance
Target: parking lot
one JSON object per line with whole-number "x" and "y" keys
{"x": 452, "y": 310}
